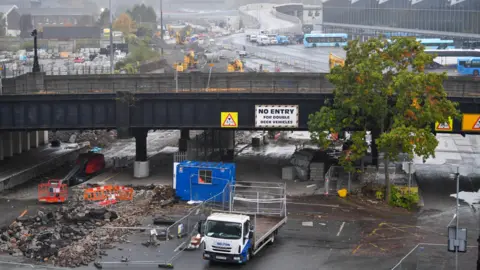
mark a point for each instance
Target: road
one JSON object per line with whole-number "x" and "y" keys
{"x": 329, "y": 242}
{"x": 267, "y": 20}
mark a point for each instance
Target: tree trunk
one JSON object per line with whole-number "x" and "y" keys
{"x": 387, "y": 179}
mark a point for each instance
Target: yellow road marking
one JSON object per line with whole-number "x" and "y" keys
{"x": 356, "y": 249}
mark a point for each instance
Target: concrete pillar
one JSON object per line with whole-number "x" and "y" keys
{"x": 25, "y": 141}
{"x": 17, "y": 142}
{"x": 7, "y": 144}
{"x": 1, "y": 147}
{"x": 227, "y": 139}
{"x": 141, "y": 167}
{"x": 183, "y": 141}
{"x": 34, "y": 139}
{"x": 42, "y": 137}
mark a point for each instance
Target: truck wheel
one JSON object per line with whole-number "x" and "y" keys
{"x": 475, "y": 73}
{"x": 272, "y": 239}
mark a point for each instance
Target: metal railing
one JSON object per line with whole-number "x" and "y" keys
{"x": 197, "y": 82}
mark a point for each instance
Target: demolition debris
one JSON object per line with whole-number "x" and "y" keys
{"x": 73, "y": 235}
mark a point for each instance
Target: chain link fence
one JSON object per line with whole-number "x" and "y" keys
{"x": 426, "y": 256}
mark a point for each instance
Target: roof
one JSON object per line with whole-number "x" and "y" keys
{"x": 208, "y": 165}
{"x": 5, "y": 9}
{"x": 56, "y": 11}
{"x": 228, "y": 217}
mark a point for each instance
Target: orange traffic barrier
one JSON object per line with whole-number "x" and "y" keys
{"x": 52, "y": 192}
{"x": 106, "y": 193}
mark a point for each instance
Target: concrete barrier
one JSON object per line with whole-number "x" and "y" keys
{"x": 37, "y": 170}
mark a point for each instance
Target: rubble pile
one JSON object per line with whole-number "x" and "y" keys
{"x": 40, "y": 237}
{"x": 95, "y": 137}
{"x": 77, "y": 233}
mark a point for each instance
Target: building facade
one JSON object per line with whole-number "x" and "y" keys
{"x": 458, "y": 16}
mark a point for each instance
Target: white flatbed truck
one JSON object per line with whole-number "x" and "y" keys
{"x": 237, "y": 236}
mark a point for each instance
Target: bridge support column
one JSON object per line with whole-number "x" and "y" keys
{"x": 25, "y": 141}
{"x": 7, "y": 144}
{"x": 17, "y": 142}
{"x": 42, "y": 137}
{"x": 227, "y": 138}
{"x": 1, "y": 147}
{"x": 141, "y": 167}
{"x": 34, "y": 139}
{"x": 183, "y": 141}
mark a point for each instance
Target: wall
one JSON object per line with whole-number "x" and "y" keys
{"x": 297, "y": 28}
{"x": 248, "y": 20}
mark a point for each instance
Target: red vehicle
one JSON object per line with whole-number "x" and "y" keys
{"x": 78, "y": 60}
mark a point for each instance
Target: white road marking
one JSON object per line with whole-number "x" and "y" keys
{"x": 314, "y": 204}
{"x": 307, "y": 223}
{"x": 341, "y": 228}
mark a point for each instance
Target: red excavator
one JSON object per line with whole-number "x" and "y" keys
{"x": 86, "y": 166}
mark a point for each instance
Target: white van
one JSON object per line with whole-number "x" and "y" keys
{"x": 263, "y": 40}
{"x": 253, "y": 38}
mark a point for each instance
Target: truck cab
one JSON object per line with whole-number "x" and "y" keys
{"x": 228, "y": 238}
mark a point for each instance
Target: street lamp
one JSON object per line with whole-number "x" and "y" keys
{"x": 456, "y": 176}
{"x": 111, "y": 35}
{"x": 161, "y": 26}
{"x": 36, "y": 66}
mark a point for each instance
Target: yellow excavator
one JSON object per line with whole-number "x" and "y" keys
{"x": 235, "y": 66}
{"x": 189, "y": 60}
{"x": 334, "y": 60}
{"x": 181, "y": 34}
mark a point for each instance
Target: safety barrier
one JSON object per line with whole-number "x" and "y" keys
{"x": 52, "y": 192}
{"x": 108, "y": 193}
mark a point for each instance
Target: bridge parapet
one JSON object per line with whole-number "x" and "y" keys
{"x": 201, "y": 83}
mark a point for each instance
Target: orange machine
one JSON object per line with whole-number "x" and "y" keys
{"x": 54, "y": 191}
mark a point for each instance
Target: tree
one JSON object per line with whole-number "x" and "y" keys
{"x": 104, "y": 19}
{"x": 26, "y": 25}
{"x": 125, "y": 24}
{"x": 383, "y": 88}
{"x": 2, "y": 25}
{"x": 142, "y": 14}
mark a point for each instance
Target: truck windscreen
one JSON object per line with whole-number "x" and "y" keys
{"x": 223, "y": 230}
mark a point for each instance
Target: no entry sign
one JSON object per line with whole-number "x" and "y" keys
{"x": 276, "y": 116}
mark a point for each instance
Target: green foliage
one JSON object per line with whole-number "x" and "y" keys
{"x": 104, "y": 19}
{"x": 142, "y": 13}
{"x": 144, "y": 31}
{"x": 28, "y": 46}
{"x": 2, "y": 25}
{"x": 383, "y": 87}
{"x": 138, "y": 55}
{"x": 405, "y": 200}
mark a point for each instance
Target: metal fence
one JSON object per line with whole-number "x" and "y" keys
{"x": 197, "y": 82}
{"x": 261, "y": 198}
{"x": 427, "y": 256}
{"x": 74, "y": 69}
{"x": 337, "y": 178}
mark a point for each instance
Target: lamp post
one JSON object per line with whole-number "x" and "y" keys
{"x": 110, "y": 15}
{"x": 161, "y": 26}
{"x": 36, "y": 66}
{"x": 456, "y": 176}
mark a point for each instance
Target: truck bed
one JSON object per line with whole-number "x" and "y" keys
{"x": 265, "y": 225}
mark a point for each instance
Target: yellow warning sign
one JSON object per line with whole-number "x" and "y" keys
{"x": 448, "y": 126}
{"x": 229, "y": 120}
{"x": 471, "y": 122}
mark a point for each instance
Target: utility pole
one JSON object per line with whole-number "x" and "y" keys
{"x": 36, "y": 66}
{"x": 111, "y": 36}
{"x": 161, "y": 26}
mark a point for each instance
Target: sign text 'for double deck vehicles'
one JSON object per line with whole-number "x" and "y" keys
{"x": 276, "y": 116}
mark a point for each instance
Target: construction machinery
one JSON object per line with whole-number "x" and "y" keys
{"x": 235, "y": 66}
{"x": 181, "y": 33}
{"x": 334, "y": 60}
{"x": 86, "y": 166}
{"x": 190, "y": 60}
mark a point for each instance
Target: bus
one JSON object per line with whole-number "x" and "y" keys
{"x": 468, "y": 66}
{"x": 436, "y": 43}
{"x": 325, "y": 40}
